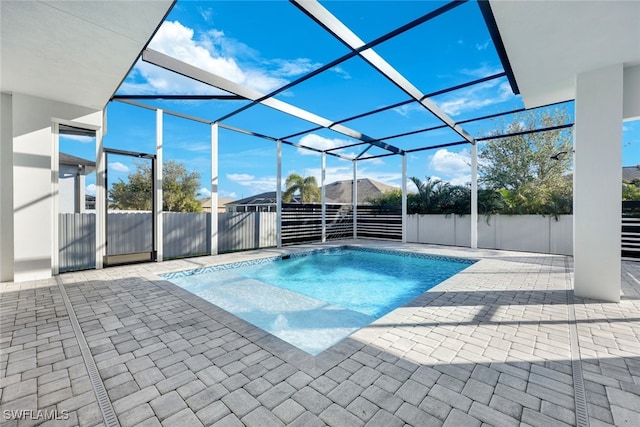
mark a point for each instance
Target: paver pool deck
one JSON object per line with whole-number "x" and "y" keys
{"x": 503, "y": 343}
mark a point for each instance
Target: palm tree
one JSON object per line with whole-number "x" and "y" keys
{"x": 307, "y": 188}
{"x": 431, "y": 194}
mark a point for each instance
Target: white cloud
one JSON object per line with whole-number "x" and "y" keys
{"x": 481, "y": 71}
{"x": 212, "y": 51}
{"x": 482, "y": 46}
{"x": 407, "y": 109}
{"x": 118, "y": 167}
{"x": 321, "y": 143}
{"x": 294, "y": 67}
{"x": 78, "y": 138}
{"x": 206, "y": 13}
{"x": 453, "y": 166}
{"x": 204, "y": 192}
{"x": 228, "y": 194}
{"x": 90, "y": 189}
{"x": 240, "y": 177}
{"x": 476, "y": 97}
{"x": 256, "y": 184}
{"x": 341, "y": 72}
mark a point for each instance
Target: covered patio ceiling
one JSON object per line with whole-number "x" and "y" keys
{"x": 383, "y": 58}
{"x": 74, "y": 52}
{"x": 549, "y": 43}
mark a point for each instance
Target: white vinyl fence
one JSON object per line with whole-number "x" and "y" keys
{"x": 184, "y": 234}
{"x": 529, "y": 233}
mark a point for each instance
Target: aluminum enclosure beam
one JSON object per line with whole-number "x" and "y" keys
{"x": 198, "y": 74}
{"x": 233, "y": 128}
{"x": 332, "y": 24}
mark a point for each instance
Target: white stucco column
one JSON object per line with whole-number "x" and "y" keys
{"x": 279, "y": 193}
{"x": 6, "y": 184}
{"x": 157, "y": 223}
{"x": 404, "y": 198}
{"x": 597, "y": 179}
{"x": 214, "y": 189}
{"x": 474, "y": 196}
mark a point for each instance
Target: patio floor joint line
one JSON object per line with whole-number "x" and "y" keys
{"x": 580, "y": 399}
{"x": 102, "y": 398}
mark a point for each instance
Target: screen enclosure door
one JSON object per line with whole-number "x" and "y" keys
{"x": 130, "y": 207}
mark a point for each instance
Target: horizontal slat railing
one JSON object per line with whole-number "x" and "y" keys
{"x": 303, "y": 222}
{"x": 379, "y": 222}
{"x": 630, "y": 229}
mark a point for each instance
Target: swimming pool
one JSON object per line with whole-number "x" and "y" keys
{"x": 314, "y": 300}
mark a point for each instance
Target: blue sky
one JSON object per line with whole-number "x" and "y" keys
{"x": 267, "y": 44}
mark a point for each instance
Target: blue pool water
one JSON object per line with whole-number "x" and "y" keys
{"x": 315, "y": 300}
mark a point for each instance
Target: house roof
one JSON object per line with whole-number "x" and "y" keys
{"x": 548, "y": 43}
{"x": 339, "y": 192}
{"x": 266, "y": 198}
{"x": 630, "y": 173}
{"x": 68, "y": 159}
{"x": 222, "y": 201}
{"x": 90, "y": 46}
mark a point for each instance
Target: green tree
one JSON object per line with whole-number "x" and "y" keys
{"x": 526, "y": 169}
{"x": 179, "y": 189}
{"x": 388, "y": 199}
{"x": 451, "y": 199}
{"x": 306, "y": 188}
{"x": 631, "y": 189}
{"x": 429, "y": 194}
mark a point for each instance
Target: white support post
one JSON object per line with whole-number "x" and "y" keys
{"x": 354, "y": 193}
{"x": 213, "y": 218}
{"x": 404, "y": 198}
{"x": 474, "y": 196}
{"x": 324, "y": 194}
{"x": 158, "y": 187}
{"x": 6, "y": 183}
{"x": 101, "y": 202}
{"x": 55, "y": 168}
{"x": 279, "y": 193}
{"x": 597, "y": 175}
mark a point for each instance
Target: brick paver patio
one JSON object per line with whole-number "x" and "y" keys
{"x": 503, "y": 343}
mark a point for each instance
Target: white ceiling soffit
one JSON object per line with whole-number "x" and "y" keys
{"x": 74, "y": 51}
{"x": 549, "y": 42}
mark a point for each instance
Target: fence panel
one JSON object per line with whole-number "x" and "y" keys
{"x": 379, "y": 222}
{"x": 77, "y": 241}
{"x": 185, "y": 234}
{"x": 246, "y": 230}
{"x": 631, "y": 229}
{"x": 129, "y": 232}
{"x": 530, "y": 233}
{"x": 302, "y": 223}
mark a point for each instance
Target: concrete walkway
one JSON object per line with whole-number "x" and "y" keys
{"x": 502, "y": 343}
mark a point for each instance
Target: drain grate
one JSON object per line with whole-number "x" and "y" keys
{"x": 580, "y": 397}
{"x": 109, "y": 415}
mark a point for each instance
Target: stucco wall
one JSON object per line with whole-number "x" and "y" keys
{"x": 528, "y": 233}
{"x": 32, "y": 186}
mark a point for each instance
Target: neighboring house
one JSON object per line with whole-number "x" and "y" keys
{"x": 341, "y": 192}
{"x": 71, "y": 183}
{"x": 630, "y": 173}
{"x": 337, "y": 193}
{"x": 263, "y": 202}
{"x": 222, "y": 201}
